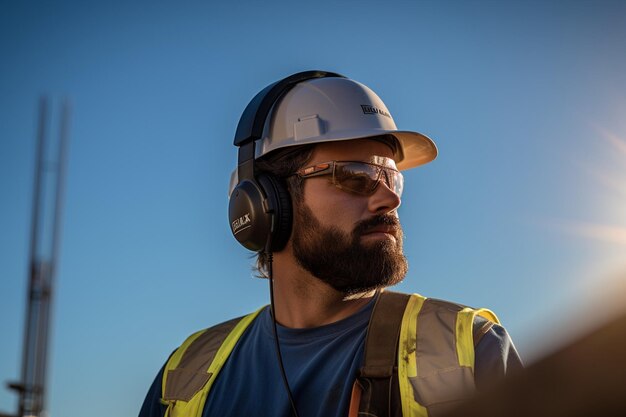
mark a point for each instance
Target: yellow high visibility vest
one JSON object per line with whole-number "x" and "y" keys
{"x": 435, "y": 357}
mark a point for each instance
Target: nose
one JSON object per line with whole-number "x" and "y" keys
{"x": 384, "y": 200}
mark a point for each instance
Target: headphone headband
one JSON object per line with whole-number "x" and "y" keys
{"x": 252, "y": 121}
{"x": 259, "y": 210}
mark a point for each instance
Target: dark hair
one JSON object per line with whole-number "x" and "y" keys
{"x": 282, "y": 163}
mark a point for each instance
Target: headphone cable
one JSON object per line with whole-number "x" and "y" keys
{"x": 280, "y": 357}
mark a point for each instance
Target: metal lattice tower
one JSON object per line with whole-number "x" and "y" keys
{"x": 44, "y": 251}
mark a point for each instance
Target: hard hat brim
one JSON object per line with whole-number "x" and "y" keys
{"x": 415, "y": 148}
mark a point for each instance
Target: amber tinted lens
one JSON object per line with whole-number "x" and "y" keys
{"x": 395, "y": 181}
{"x": 362, "y": 178}
{"x": 356, "y": 177}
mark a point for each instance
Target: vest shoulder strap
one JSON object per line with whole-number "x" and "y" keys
{"x": 183, "y": 379}
{"x": 382, "y": 335}
{"x": 375, "y": 391}
{"x": 190, "y": 368}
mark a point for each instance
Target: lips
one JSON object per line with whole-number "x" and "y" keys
{"x": 385, "y": 226}
{"x": 385, "y": 229}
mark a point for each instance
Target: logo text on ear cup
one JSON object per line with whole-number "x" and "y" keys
{"x": 241, "y": 223}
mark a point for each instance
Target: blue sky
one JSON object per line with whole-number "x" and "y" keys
{"x": 523, "y": 211}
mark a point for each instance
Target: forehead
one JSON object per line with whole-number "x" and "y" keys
{"x": 351, "y": 150}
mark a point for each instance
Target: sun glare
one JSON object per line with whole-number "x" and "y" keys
{"x": 609, "y": 196}
{"x": 603, "y": 282}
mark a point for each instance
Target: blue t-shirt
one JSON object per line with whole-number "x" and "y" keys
{"x": 321, "y": 365}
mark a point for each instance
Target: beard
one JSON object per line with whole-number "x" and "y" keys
{"x": 341, "y": 260}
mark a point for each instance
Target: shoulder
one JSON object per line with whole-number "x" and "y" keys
{"x": 211, "y": 334}
{"x": 441, "y": 306}
{"x": 454, "y": 316}
{"x": 479, "y": 326}
{"x": 201, "y": 355}
{"x": 205, "y": 343}
{"x": 496, "y": 355}
{"x": 216, "y": 334}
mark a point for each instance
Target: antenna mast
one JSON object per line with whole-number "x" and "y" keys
{"x": 44, "y": 251}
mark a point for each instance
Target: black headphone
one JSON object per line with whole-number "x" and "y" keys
{"x": 259, "y": 209}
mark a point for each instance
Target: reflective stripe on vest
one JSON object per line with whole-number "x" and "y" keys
{"x": 436, "y": 355}
{"x": 435, "y": 359}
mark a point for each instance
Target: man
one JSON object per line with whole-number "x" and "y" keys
{"x": 316, "y": 193}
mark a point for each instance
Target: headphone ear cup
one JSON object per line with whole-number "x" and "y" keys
{"x": 280, "y": 202}
{"x": 250, "y": 221}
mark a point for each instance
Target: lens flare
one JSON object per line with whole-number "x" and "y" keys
{"x": 592, "y": 231}
{"x": 603, "y": 286}
{"x": 603, "y": 232}
{"x": 609, "y": 195}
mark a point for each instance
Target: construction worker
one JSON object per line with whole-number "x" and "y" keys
{"x": 316, "y": 194}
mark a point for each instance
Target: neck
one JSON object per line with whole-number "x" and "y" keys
{"x": 301, "y": 300}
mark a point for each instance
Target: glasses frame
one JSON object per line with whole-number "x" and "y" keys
{"x": 329, "y": 168}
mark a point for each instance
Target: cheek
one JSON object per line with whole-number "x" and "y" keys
{"x": 332, "y": 206}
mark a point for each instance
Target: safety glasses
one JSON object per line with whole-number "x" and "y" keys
{"x": 358, "y": 177}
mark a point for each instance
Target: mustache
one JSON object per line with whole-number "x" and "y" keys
{"x": 379, "y": 220}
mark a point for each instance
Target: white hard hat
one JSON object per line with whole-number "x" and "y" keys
{"x": 332, "y": 109}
